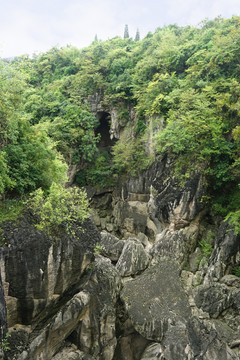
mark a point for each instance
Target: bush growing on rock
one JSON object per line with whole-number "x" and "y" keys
{"x": 59, "y": 207}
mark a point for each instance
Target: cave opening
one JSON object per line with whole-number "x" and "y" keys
{"x": 103, "y": 129}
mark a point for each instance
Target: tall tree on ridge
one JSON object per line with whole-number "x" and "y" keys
{"x": 126, "y": 33}
{"x": 137, "y": 37}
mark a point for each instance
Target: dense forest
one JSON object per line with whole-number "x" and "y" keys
{"x": 183, "y": 82}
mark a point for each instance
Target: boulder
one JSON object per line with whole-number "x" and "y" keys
{"x": 39, "y": 268}
{"x": 175, "y": 244}
{"x": 133, "y": 259}
{"x": 156, "y": 301}
{"x": 111, "y": 246}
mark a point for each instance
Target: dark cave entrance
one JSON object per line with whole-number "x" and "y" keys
{"x": 103, "y": 129}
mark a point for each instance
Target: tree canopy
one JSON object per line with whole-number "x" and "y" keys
{"x": 185, "y": 78}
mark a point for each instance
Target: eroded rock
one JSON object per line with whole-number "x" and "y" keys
{"x": 156, "y": 301}
{"x": 111, "y": 246}
{"x": 133, "y": 258}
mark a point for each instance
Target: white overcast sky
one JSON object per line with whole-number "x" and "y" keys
{"x": 28, "y": 26}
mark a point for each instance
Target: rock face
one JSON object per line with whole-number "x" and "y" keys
{"x": 154, "y": 312}
{"x": 150, "y": 292}
{"x": 3, "y": 316}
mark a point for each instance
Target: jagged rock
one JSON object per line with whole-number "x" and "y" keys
{"x": 155, "y": 301}
{"x": 230, "y": 280}
{"x": 218, "y": 298}
{"x": 19, "y": 337}
{"x": 176, "y": 245}
{"x": 213, "y": 299}
{"x": 89, "y": 317}
{"x": 226, "y": 249}
{"x": 50, "y": 339}
{"x": 133, "y": 258}
{"x": 111, "y": 246}
{"x": 39, "y": 268}
{"x": 3, "y": 312}
{"x": 96, "y": 334}
{"x": 130, "y": 217}
{"x": 200, "y": 344}
{"x": 194, "y": 260}
{"x": 153, "y": 352}
{"x": 72, "y": 354}
{"x": 3, "y": 317}
{"x": 178, "y": 206}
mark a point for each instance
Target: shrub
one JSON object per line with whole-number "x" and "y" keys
{"x": 60, "y": 207}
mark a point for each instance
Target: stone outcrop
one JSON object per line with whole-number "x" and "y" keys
{"x": 143, "y": 289}
{"x": 133, "y": 259}
{"x": 3, "y": 316}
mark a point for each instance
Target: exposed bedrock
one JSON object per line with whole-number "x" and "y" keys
{"x": 144, "y": 288}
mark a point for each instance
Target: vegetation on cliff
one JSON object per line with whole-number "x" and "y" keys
{"x": 187, "y": 78}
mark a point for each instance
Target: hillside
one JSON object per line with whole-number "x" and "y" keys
{"x": 149, "y": 132}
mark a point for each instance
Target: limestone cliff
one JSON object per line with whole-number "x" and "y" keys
{"x": 150, "y": 291}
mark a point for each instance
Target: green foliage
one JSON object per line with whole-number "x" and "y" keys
{"x": 10, "y": 209}
{"x": 32, "y": 161}
{"x": 236, "y": 271}
{"x": 28, "y": 159}
{"x": 5, "y": 342}
{"x": 73, "y": 133}
{"x": 206, "y": 246}
{"x": 5, "y": 181}
{"x": 130, "y": 156}
{"x": 98, "y": 249}
{"x": 186, "y": 79}
{"x": 234, "y": 219}
{"x": 61, "y": 206}
{"x": 101, "y": 172}
{"x": 195, "y": 132}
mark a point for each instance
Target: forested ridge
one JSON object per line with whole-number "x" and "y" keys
{"x": 184, "y": 80}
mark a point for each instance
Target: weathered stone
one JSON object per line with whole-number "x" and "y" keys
{"x": 47, "y": 343}
{"x": 230, "y": 280}
{"x": 96, "y": 334}
{"x": 3, "y": 313}
{"x": 194, "y": 260}
{"x": 133, "y": 258}
{"x": 156, "y": 301}
{"x": 38, "y": 267}
{"x": 226, "y": 249}
{"x": 176, "y": 245}
{"x": 218, "y": 299}
{"x": 152, "y": 352}
{"x": 69, "y": 353}
{"x": 178, "y": 206}
{"x": 130, "y": 217}
{"x": 111, "y": 246}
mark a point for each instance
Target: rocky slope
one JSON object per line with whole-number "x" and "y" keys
{"x": 150, "y": 291}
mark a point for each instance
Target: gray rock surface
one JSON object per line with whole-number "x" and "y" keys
{"x": 153, "y": 352}
{"x": 38, "y": 268}
{"x": 50, "y": 339}
{"x": 69, "y": 353}
{"x": 175, "y": 244}
{"x": 111, "y": 246}
{"x": 133, "y": 258}
{"x": 156, "y": 302}
{"x": 63, "y": 304}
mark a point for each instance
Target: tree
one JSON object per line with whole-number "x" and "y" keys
{"x": 137, "y": 37}
{"x": 61, "y": 206}
{"x": 126, "y": 33}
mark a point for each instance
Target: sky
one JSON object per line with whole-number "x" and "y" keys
{"x": 30, "y": 26}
